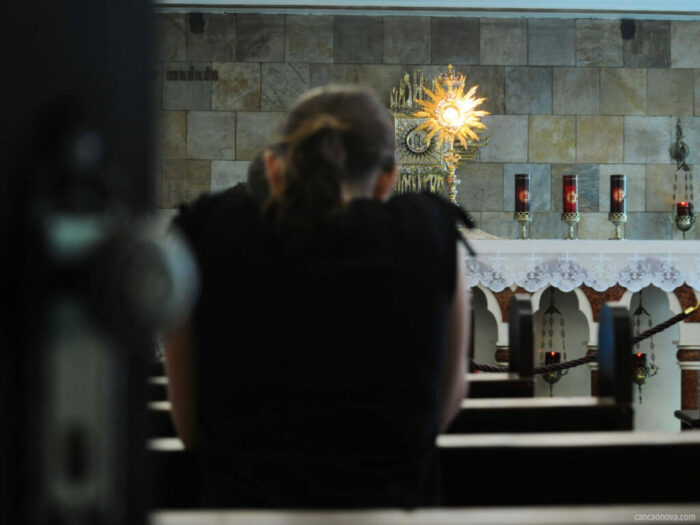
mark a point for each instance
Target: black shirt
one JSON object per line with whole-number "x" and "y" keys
{"x": 319, "y": 370}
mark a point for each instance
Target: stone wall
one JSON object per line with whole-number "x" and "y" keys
{"x": 565, "y": 96}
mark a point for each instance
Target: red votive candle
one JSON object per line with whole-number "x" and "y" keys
{"x": 684, "y": 209}
{"x": 570, "y": 186}
{"x": 618, "y": 194}
{"x": 639, "y": 361}
{"x": 552, "y": 357}
{"x": 522, "y": 192}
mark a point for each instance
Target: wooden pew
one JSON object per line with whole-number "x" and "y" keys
{"x": 612, "y": 410}
{"x": 481, "y": 470}
{"x": 550, "y": 468}
{"x": 569, "y": 515}
{"x": 519, "y": 382}
{"x": 690, "y": 419}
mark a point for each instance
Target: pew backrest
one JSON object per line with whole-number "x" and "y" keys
{"x": 615, "y": 353}
{"x": 521, "y": 335}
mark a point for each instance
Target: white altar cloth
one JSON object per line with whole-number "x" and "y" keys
{"x": 534, "y": 264}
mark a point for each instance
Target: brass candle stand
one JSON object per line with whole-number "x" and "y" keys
{"x": 524, "y": 218}
{"x": 572, "y": 219}
{"x": 618, "y": 219}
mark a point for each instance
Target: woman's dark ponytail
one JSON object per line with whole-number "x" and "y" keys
{"x": 314, "y": 167}
{"x": 334, "y": 136}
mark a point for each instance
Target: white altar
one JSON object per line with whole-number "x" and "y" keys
{"x": 657, "y": 267}
{"x": 566, "y": 265}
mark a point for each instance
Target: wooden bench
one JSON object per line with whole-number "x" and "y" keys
{"x": 568, "y": 468}
{"x": 612, "y": 410}
{"x": 519, "y": 382}
{"x": 574, "y": 515}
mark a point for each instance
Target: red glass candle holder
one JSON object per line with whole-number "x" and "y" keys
{"x": 639, "y": 361}
{"x": 684, "y": 209}
{"x": 551, "y": 358}
{"x": 570, "y": 188}
{"x": 522, "y": 192}
{"x": 618, "y": 194}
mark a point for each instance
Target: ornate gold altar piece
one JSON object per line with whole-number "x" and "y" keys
{"x": 451, "y": 114}
{"x": 422, "y": 160}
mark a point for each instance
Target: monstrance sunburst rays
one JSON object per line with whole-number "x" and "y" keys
{"x": 451, "y": 114}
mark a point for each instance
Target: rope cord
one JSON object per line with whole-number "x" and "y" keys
{"x": 593, "y": 357}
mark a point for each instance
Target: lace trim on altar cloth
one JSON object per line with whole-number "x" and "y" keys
{"x": 599, "y": 264}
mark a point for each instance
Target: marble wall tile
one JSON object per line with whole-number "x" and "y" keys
{"x": 685, "y": 43}
{"x": 454, "y": 40}
{"x": 309, "y": 38}
{"x": 211, "y": 135}
{"x": 551, "y": 139}
{"x": 171, "y": 134}
{"x": 481, "y": 186}
{"x": 599, "y": 139}
{"x": 651, "y": 45}
{"x": 379, "y": 78}
{"x": 623, "y": 91}
{"x": 528, "y": 90}
{"x": 551, "y": 42}
{"x": 357, "y": 40}
{"x": 660, "y": 180}
{"x": 238, "y": 86}
{"x": 227, "y": 173}
{"x": 691, "y": 136}
{"x": 491, "y": 82}
{"x": 540, "y": 185}
{"x": 259, "y": 38}
{"x": 282, "y": 84}
{"x": 406, "y": 39}
{"x": 595, "y": 226}
{"x": 647, "y": 140}
{"x": 507, "y": 138}
{"x": 186, "y": 94}
{"x": 503, "y": 42}
{"x": 170, "y": 39}
{"x": 500, "y": 223}
{"x": 697, "y": 92}
{"x": 648, "y": 226}
{"x": 576, "y": 91}
{"x": 548, "y": 225}
{"x": 598, "y": 43}
{"x": 254, "y": 131}
{"x": 636, "y": 185}
{"x": 183, "y": 181}
{"x": 588, "y": 189}
{"x": 670, "y": 92}
{"x": 211, "y": 36}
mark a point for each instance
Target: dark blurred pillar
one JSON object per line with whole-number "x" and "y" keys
{"x": 74, "y": 144}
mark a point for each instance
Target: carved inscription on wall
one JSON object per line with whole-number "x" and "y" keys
{"x": 189, "y": 75}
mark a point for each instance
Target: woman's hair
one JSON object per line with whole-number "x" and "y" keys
{"x": 332, "y": 136}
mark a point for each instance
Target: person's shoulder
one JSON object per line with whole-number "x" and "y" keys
{"x": 429, "y": 208}
{"x": 228, "y": 206}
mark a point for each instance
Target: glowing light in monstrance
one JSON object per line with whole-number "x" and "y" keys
{"x": 451, "y": 113}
